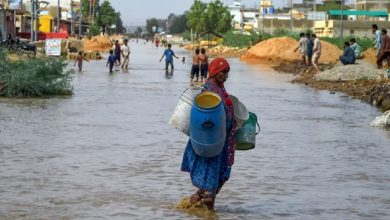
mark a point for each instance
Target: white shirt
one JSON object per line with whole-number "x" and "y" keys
{"x": 317, "y": 46}
{"x": 303, "y": 45}
{"x": 125, "y": 50}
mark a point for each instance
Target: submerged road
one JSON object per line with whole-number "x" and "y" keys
{"x": 108, "y": 152}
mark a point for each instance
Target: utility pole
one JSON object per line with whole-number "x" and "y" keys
{"x": 81, "y": 19}
{"x": 341, "y": 19}
{"x": 315, "y": 10}
{"x": 32, "y": 19}
{"x": 58, "y": 16}
{"x": 71, "y": 18}
{"x": 262, "y": 13}
{"x": 291, "y": 16}
{"x": 36, "y": 15}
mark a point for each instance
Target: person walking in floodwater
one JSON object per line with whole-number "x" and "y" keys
{"x": 111, "y": 60}
{"x": 169, "y": 54}
{"x": 317, "y": 49}
{"x": 204, "y": 64}
{"x": 117, "y": 53}
{"x": 195, "y": 66}
{"x": 125, "y": 50}
{"x": 209, "y": 174}
{"x": 79, "y": 60}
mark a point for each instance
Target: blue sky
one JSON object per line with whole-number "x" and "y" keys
{"x": 136, "y": 12}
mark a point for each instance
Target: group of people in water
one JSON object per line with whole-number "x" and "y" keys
{"x": 118, "y": 54}
{"x": 200, "y": 64}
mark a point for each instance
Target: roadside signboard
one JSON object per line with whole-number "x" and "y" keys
{"x": 53, "y": 47}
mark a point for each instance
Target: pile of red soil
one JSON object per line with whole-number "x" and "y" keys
{"x": 281, "y": 49}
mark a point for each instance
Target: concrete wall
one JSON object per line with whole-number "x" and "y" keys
{"x": 270, "y": 25}
{"x": 325, "y": 28}
{"x": 331, "y": 28}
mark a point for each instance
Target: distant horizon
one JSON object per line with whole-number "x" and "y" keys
{"x": 135, "y": 14}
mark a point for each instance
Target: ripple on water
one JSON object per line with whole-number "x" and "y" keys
{"x": 109, "y": 153}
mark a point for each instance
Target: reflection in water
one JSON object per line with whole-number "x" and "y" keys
{"x": 169, "y": 74}
{"x": 109, "y": 153}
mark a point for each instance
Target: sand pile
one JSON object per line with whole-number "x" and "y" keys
{"x": 359, "y": 71}
{"x": 370, "y": 55}
{"x": 118, "y": 37}
{"x": 97, "y": 43}
{"x": 281, "y": 49}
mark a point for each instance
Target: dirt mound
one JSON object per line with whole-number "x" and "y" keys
{"x": 281, "y": 49}
{"x": 370, "y": 55}
{"x": 330, "y": 53}
{"x": 97, "y": 43}
{"x": 118, "y": 37}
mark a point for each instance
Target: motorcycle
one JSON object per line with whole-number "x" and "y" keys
{"x": 21, "y": 47}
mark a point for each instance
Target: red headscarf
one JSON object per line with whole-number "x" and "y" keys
{"x": 218, "y": 65}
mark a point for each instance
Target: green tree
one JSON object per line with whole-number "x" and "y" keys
{"x": 196, "y": 16}
{"x": 106, "y": 16}
{"x": 88, "y": 6}
{"x": 218, "y": 17}
{"x": 119, "y": 24}
{"x": 331, "y": 5}
{"x": 150, "y": 23}
{"x": 179, "y": 24}
{"x": 209, "y": 17}
{"x": 139, "y": 31}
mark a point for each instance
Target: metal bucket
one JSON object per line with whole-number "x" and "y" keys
{"x": 241, "y": 114}
{"x": 180, "y": 118}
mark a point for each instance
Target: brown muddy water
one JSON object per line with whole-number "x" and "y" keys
{"x": 109, "y": 153}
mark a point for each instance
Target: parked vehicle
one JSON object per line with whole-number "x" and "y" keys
{"x": 23, "y": 47}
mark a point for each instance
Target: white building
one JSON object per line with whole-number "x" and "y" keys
{"x": 235, "y": 11}
{"x": 243, "y": 16}
{"x": 65, "y": 4}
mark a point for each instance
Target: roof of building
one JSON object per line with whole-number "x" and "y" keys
{"x": 360, "y": 13}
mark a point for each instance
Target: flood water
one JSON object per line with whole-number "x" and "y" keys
{"x": 108, "y": 152}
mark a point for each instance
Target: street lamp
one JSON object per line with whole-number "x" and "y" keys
{"x": 291, "y": 17}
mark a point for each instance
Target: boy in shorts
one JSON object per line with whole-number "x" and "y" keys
{"x": 204, "y": 64}
{"x": 195, "y": 66}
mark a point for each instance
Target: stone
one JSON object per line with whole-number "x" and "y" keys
{"x": 382, "y": 121}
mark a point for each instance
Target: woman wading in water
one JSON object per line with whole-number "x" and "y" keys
{"x": 209, "y": 174}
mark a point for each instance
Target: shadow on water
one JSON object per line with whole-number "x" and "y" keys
{"x": 108, "y": 152}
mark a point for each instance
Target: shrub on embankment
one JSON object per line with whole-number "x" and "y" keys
{"x": 364, "y": 43}
{"x": 34, "y": 77}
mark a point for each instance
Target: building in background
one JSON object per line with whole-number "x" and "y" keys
{"x": 8, "y": 16}
{"x": 373, "y": 5}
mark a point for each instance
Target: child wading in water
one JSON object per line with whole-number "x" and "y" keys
{"x": 111, "y": 60}
{"x": 79, "y": 59}
{"x": 204, "y": 65}
{"x": 195, "y": 66}
{"x": 169, "y": 54}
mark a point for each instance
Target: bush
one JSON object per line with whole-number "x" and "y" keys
{"x": 240, "y": 40}
{"x": 34, "y": 77}
{"x": 365, "y": 43}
